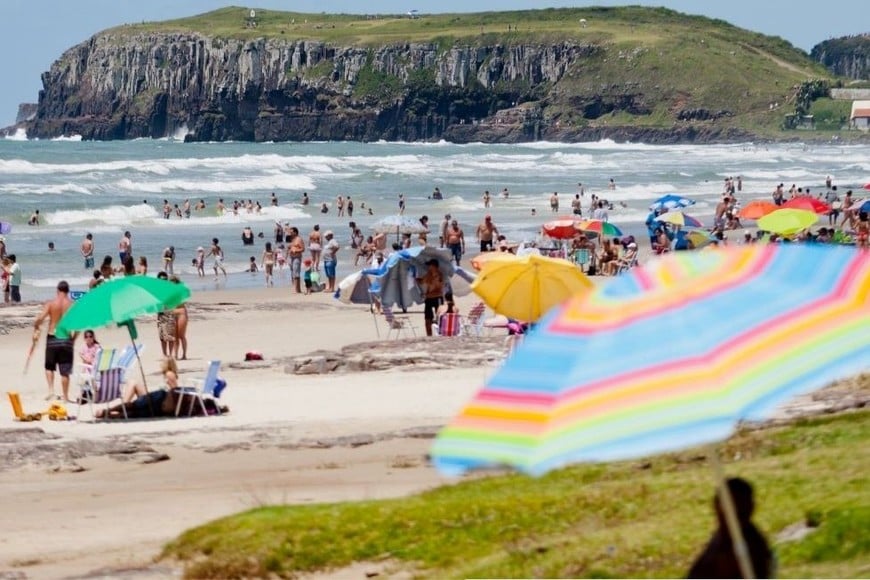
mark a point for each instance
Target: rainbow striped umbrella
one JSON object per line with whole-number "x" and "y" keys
{"x": 669, "y": 355}
{"x": 679, "y": 218}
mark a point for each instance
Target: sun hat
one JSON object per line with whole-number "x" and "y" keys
{"x": 328, "y": 233}
{"x": 632, "y": 245}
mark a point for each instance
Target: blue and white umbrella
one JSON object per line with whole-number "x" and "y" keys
{"x": 395, "y": 281}
{"x": 671, "y": 201}
{"x": 399, "y": 224}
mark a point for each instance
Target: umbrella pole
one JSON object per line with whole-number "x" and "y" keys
{"x": 139, "y": 362}
{"x": 730, "y": 512}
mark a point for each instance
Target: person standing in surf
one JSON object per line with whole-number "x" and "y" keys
{"x": 88, "y": 251}
{"x": 218, "y": 255}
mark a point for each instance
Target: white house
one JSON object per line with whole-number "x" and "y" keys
{"x": 860, "y": 118}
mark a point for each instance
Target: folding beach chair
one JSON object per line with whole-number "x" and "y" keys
{"x": 201, "y": 389}
{"x": 106, "y": 390}
{"x": 473, "y": 322}
{"x": 90, "y": 377}
{"x": 397, "y": 324}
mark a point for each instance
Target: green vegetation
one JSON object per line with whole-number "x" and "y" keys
{"x": 643, "y": 518}
{"x": 831, "y": 115}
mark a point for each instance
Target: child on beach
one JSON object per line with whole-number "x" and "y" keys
{"x": 199, "y": 261}
{"x": 252, "y": 268}
{"x": 306, "y": 276}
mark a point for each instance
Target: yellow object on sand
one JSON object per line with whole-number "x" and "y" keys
{"x": 526, "y": 288}
{"x": 18, "y": 410}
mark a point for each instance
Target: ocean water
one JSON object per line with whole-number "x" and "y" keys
{"x": 107, "y": 187}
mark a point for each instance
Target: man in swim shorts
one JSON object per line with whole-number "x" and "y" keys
{"x": 88, "y": 251}
{"x": 59, "y": 350}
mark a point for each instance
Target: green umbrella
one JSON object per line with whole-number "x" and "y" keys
{"x": 119, "y": 301}
{"x": 787, "y": 222}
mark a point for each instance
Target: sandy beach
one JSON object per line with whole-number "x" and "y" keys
{"x": 92, "y": 499}
{"x": 105, "y": 496}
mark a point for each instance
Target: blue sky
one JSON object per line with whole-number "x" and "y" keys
{"x": 36, "y": 32}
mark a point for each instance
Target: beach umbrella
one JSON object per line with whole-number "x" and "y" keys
{"x": 808, "y": 203}
{"x": 787, "y": 222}
{"x": 867, "y": 186}
{"x": 679, "y": 218}
{"x": 698, "y": 238}
{"x": 395, "y": 281}
{"x": 865, "y": 207}
{"x": 526, "y": 288}
{"x": 561, "y": 228}
{"x": 671, "y": 201}
{"x": 354, "y": 289}
{"x": 480, "y": 260}
{"x": 600, "y": 227}
{"x": 757, "y": 208}
{"x": 120, "y": 301}
{"x": 669, "y": 355}
{"x": 399, "y": 224}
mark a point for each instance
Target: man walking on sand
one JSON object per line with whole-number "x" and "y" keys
{"x": 58, "y": 350}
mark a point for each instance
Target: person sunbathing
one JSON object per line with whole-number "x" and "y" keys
{"x": 140, "y": 402}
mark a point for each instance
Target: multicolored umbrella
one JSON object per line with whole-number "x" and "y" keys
{"x": 698, "y": 238}
{"x": 669, "y": 355}
{"x": 526, "y": 288}
{"x": 808, "y": 203}
{"x": 678, "y": 218}
{"x": 757, "y": 208}
{"x": 561, "y": 228}
{"x": 787, "y": 222}
{"x": 671, "y": 201}
{"x": 599, "y": 227}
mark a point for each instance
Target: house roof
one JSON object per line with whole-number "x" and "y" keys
{"x": 860, "y": 109}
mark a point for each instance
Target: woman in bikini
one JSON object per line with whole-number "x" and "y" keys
{"x": 314, "y": 247}
{"x": 268, "y": 263}
{"x": 862, "y": 229}
{"x": 181, "y": 319}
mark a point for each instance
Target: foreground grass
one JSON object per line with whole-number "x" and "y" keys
{"x": 646, "y": 518}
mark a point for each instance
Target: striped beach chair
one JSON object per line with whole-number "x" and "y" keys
{"x": 106, "y": 391}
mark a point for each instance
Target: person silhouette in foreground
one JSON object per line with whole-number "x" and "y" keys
{"x": 718, "y": 559}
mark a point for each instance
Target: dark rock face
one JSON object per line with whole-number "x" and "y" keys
{"x": 26, "y": 112}
{"x": 123, "y": 86}
{"x": 848, "y": 56}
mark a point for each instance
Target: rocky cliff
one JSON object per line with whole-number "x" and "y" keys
{"x": 848, "y": 56}
{"x": 153, "y": 85}
{"x": 646, "y": 74}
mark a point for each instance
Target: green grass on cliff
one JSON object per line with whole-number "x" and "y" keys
{"x": 634, "y": 519}
{"x": 671, "y": 61}
{"x": 641, "y": 26}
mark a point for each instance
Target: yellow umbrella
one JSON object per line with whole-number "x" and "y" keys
{"x": 787, "y": 222}
{"x": 526, "y": 288}
{"x": 483, "y": 258}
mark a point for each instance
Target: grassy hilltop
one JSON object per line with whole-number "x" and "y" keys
{"x": 676, "y": 60}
